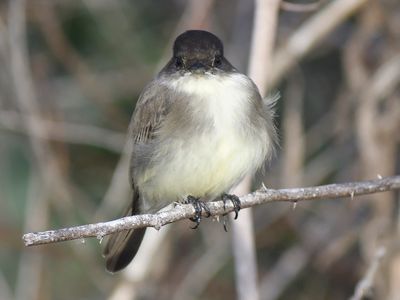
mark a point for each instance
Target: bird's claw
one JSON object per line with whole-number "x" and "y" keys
{"x": 199, "y": 206}
{"x": 235, "y": 201}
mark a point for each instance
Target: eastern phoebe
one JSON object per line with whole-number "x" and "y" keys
{"x": 198, "y": 128}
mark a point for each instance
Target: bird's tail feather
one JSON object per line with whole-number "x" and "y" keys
{"x": 122, "y": 246}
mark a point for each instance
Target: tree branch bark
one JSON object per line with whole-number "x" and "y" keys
{"x": 185, "y": 211}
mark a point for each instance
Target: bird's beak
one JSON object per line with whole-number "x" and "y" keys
{"x": 197, "y": 67}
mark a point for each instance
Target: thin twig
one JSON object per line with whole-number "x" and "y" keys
{"x": 202, "y": 270}
{"x": 365, "y": 285}
{"x": 5, "y": 290}
{"x": 300, "y": 7}
{"x": 286, "y": 269}
{"x": 65, "y": 131}
{"x": 180, "y": 212}
{"x": 32, "y": 263}
{"x": 309, "y": 35}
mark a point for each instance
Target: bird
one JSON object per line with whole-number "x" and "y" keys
{"x": 198, "y": 128}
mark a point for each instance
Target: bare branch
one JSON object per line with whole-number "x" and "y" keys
{"x": 286, "y": 269}
{"x": 64, "y": 131}
{"x": 365, "y": 285}
{"x": 243, "y": 239}
{"x": 180, "y": 212}
{"x": 310, "y": 34}
{"x": 300, "y": 7}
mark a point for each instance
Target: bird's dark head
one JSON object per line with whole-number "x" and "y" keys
{"x": 197, "y": 52}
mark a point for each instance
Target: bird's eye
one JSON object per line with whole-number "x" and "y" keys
{"x": 179, "y": 62}
{"x": 217, "y": 61}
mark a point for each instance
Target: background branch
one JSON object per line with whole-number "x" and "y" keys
{"x": 309, "y": 35}
{"x": 365, "y": 285}
{"x": 243, "y": 239}
{"x": 66, "y": 132}
{"x": 180, "y": 212}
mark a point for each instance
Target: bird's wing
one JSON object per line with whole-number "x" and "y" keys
{"x": 149, "y": 116}
{"x": 150, "y": 111}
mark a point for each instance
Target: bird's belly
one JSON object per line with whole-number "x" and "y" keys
{"x": 202, "y": 166}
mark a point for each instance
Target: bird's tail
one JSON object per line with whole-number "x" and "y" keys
{"x": 122, "y": 247}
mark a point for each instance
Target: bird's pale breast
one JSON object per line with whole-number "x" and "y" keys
{"x": 206, "y": 161}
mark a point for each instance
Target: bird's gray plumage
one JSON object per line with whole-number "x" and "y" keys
{"x": 198, "y": 128}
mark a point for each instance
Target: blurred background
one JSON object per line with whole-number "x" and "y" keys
{"x": 70, "y": 74}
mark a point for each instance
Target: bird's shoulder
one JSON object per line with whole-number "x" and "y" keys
{"x": 151, "y": 108}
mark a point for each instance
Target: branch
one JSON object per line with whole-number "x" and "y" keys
{"x": 64, "y": 131}
{"x": 365, "y": 285}
{"x": 243, "y": 239}
{"x": 300, "y": 7}
{"x": 185, "y": 211}
{"x": 304, "y": 39}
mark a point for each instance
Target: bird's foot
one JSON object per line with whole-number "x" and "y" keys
{"x": 199, "y": 206}
{"x": 235, "y": 201}
{"x": 236, "y": 207}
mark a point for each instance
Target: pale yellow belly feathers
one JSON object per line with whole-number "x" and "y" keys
{"x": 208, "y": 163}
